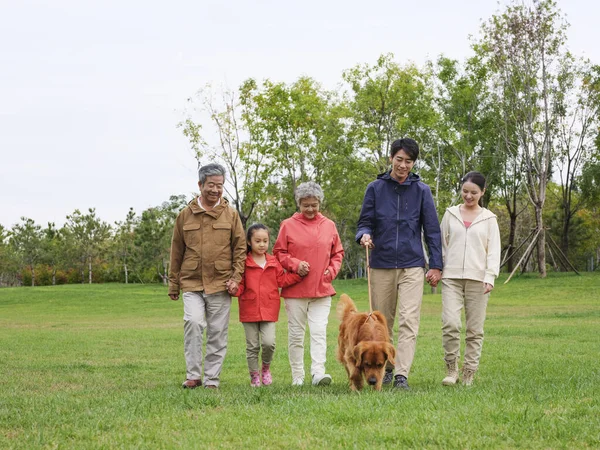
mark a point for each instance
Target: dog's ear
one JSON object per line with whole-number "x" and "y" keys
{"x": 390, "y": 352}
{"x": 357, "y": 353}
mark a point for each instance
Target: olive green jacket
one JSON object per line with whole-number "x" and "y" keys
{"x": 207, "y": 250}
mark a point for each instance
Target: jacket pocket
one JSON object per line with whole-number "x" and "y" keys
{"x": 188, "y": 268}
{"x": 222, "y": 233}
{"x": 191, "y": 234}
{"x": 223, "y": 267}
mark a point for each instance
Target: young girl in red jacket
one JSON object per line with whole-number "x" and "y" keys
{"x": 259, "y": 302}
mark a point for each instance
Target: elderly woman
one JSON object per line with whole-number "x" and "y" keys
{"x": 309, "y": 244}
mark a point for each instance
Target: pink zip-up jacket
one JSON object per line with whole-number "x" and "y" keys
{"x": 315, "y": 241}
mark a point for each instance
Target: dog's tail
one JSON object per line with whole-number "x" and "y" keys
{"x": 345, "y": 307}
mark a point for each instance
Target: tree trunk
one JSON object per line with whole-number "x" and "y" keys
{"x": 90, "y": 270}
{"x": 126, "y": 273}
{"x": 564, "y": 239}
{"x": 53, "y": 276}
{"x": 510, "y": 264}
{"x": 541, "y": 246}
{"x": 32, "y": 275}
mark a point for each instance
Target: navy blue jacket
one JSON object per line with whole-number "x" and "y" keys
{"x": 393, "y": 214}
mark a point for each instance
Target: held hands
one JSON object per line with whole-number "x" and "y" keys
{"x": 232, "y": 287}
{"x": 487, "y": 288}
{"x": 366, "y": 241}
{"x": 303, "y": 268}
{"x": 433, "y": 277}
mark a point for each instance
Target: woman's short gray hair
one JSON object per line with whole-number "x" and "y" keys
{"x": 308, "y": 189}
{"x": 210, "y": 170}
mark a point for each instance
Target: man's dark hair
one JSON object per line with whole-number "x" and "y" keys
{"x": 410, "y": 147}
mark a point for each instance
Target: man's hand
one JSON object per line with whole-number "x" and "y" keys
{"x": 174, "y": 296}
{"x": 487, "y": 288}
{"x": 366, "y": 241}
{"x": 433, "y": 276}
{"x": 232, "y": 287}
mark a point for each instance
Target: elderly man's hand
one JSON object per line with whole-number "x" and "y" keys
{"x": 232, "y": 287}
{"x": 174, "y": 296}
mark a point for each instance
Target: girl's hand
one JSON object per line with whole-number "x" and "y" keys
{"x": 487, "y": 288}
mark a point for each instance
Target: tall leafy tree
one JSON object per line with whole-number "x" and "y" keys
{"x": 578, "y": 109}
{"x": 123, "y": 242}
{"x": 88, "y": 234}
{"x": 245, "y": 161}
{"x": 389, "y": 101}
{"x": 525, "y": 51}
{"x": 26, "y": 239}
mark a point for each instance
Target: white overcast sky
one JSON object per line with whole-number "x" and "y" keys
{"x": 91, "y": 91}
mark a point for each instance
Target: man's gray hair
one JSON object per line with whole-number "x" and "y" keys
{"x": 210, "y": 170}
{"x": 308, "y": 189}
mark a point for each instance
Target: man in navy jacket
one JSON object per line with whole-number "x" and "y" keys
{"x": 396, "y": 208}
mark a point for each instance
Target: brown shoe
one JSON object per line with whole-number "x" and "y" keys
{"x": 211, "y": 386}
{"x": 191, "y": 384}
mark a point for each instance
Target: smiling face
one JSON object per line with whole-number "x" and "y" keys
{"x": 402, "y": 164}
{"x": 259, "y": 242}
{"x": 212, "y": 190}
{"x": 471, "y": 193}
{"x": 309, "y": 206}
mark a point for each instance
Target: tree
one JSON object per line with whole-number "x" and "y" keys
{"x": 124, "y": 242}
{"x": 88, "y": 234}
{"x": 53, "y": 248}
{"x": 578, "y": 120}
{"x": 153, "y": 234}
{"x": 26, "y": 239}
{"x": 388, "y": 102}
{"x": 525, "y": 51}
{"x": 8, "y": 260}
{"x": 244, "y": 160}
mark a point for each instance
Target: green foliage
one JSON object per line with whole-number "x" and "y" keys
{"x": 111, "y": 361}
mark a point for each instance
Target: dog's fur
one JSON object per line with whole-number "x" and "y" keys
{"x": 363, "y": 344}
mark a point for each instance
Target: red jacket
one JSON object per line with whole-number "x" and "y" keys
{"x": 258, "y": 294}
{"x": 315, "y": 241}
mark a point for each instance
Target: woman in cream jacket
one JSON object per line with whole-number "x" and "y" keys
{"x": 471, "y": 252}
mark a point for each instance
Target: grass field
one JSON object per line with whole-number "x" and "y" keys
{"x": 101, "y": 367}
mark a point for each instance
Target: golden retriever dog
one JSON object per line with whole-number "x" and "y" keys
{"x": 363, "y": 344}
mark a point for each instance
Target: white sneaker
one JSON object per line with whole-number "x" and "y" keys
{"x": 298, "y": 381}
{"x": 321, "y": 380}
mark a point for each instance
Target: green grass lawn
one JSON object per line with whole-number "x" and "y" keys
{"x": 101, "y": 367}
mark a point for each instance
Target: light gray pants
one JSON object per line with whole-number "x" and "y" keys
{"x": 400, "y": 292}
{"x": 202, "y": 311}
{"x": 456, "y": 294}
{"x": 315, "y": 311}
{"x": 259, "y": 334}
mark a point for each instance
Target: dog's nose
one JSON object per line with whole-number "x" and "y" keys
{"x": 372, "y": 381}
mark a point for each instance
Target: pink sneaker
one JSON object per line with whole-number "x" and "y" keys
{"x": 254, "y": 379}
{"x": 267, "y": 379}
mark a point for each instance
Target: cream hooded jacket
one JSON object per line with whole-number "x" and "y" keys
{"x": 471, "y": 253}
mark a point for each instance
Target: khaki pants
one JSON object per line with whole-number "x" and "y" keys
{"x": 457, "y": 293}
{"x": 404, "y": 286}
{"x": 259, "y": 334}
{"x": 202, "y": 311}
{"x": 315, "y": 311}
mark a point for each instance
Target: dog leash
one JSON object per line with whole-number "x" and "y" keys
{"x": 369, "y": 286}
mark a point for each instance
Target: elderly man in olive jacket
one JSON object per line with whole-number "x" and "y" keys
{"x": 208, "y": 251}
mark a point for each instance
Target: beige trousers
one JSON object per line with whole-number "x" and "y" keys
{"x": 259, "y": 334}
{"x": 457, "y": 294}
{"x": 400, "y": 291}
{"x": 211, "y": 312}
{"x": 315, "y": 311}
